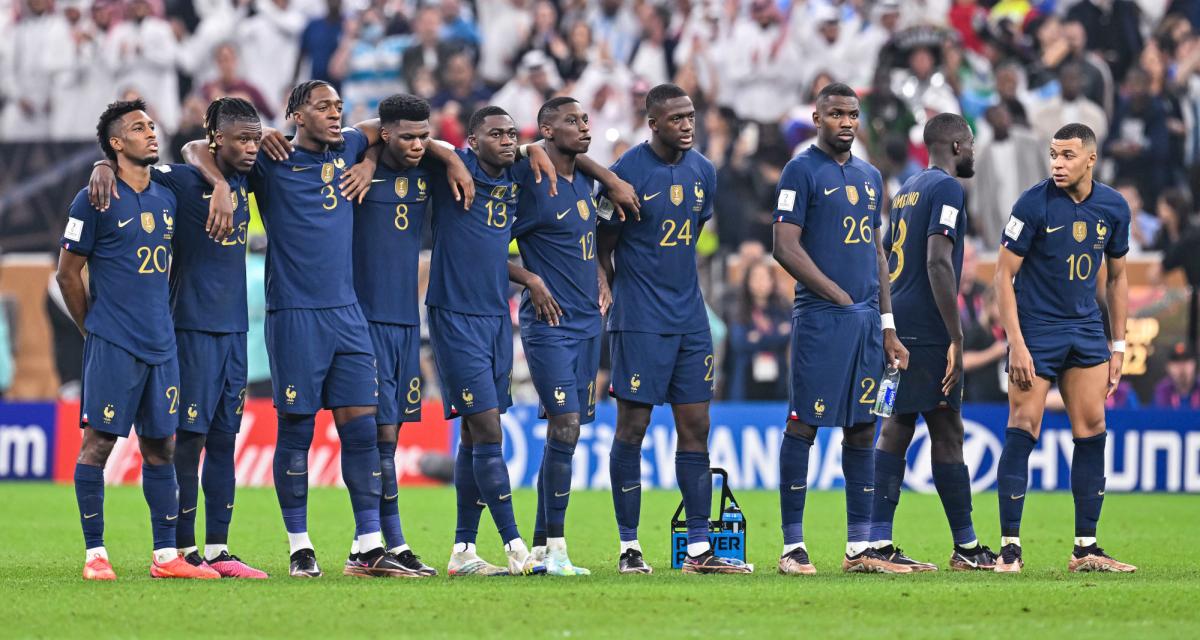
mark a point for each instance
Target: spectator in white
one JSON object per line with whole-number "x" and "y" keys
{"x": 607, "y": 90}
{"x": 704, "y": 42}
{"x": 870, "y": 41}
{"x": 270, "y": 41}
{"x": 1098, "y": 83}
{"x": 31, "y": 54}
{"x": 521, "y": 97}
{"x": 427, "y": 49}
{"x": 218, "y": 20}
{"x": 650, "y": 60}
{"x": 458, "y": 26}
{"x": 763, "y": 81}
{"x": 831, "y": 48}
{"x": 146, "y": 52}
{"x": 1144, "y": 225}
{"x": 1070, "y": 106}
{"x": 614, "y": 26}
{"x": 1008, "y": 92}
{"x": 925, "y": 12}
{"x": 923, "y": 87}
{"x": 545, "y": 34}
{"x": 82, "y": 88}
{"x": 1006, "y": 166}
{"x": 504, "y": 26}
{"x": 365, "y": 64}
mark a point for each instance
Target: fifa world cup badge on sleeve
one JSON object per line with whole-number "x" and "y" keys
{"x": 727, "y": 534}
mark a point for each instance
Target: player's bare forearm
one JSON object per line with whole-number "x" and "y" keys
{"x": 196, "y": 153}
{"x": 940, "y": 266}
{"x": 1116, "y": 295}
{"x": 607, "y": 243}
{"x": 70, "y": 282}
{"x": 462, "y": 183}
{"x": 1007, "y": 266}
{"x": 790, "y": 254}
{"x": 520, "y": 275}
{"x": 885, "y": 281}
{"x": 544, "y": 304}
{"x": 370, "y": 129}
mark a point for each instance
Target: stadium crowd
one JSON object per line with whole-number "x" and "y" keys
{"x": 1015, "y": 69}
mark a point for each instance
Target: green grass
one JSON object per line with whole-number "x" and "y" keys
{"x": 42, "y": 595}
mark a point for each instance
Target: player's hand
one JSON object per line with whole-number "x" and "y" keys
{"x": 356, "y": 181}
{"x": 1020, "y": 367}
{"x": 954, "y": 368}
{"x": 102, "y": 184}
{"x": 1114, "y": 371}
{"x": 605, "y": 294}
{"x": 220, "y": 213}
{"x": 894, "y": 349}
{"x": 625, "y": 200}
{"x": 842, "y": 299}
{"x": 275, "y": 145}
{"x": 539, "y": 161}
{"x": 462, "y": 184}
{"x": 543, "y": 301}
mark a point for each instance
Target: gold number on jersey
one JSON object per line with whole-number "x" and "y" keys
{"x": 414, "y": 391}
{"x": 857, "y": 232}
{"x": 587, "y": 242}
{"x": 330, "y": 195}
{"x": 236, "y": 238}
{"x": 898, "y": 237}
{"x": 1079, "y": 267}
{"x": 497, "y": 214}
{"x": 681, "y": 232}
{"x": 173, "y": 396}
{"x": 153, "y": 260}
{"x": 401, "y": 220}
{"x": 868, "y": 387}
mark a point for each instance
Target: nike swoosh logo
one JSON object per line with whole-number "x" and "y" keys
{"x": 409, "y": 412}
{"x": 376, "y": 474}
{"x": 392, "y": 497}
{"x": 175, "y": 517}
{"x": 561, "y": 495}
{"x": 189, "y": 510}
{"x": 1100, "y": 492}
{"x": 633, "y": 488}
{"x": 1016, "y": 497}
{"x": 207, "y": 196}
{"x": 229, "y": 506}
{"x": 122, "y": 224}
{"x": 505, "y": 497}
{"x": 300, "y": 168}
{"x": 829, "y": 191}
{"x": 89, "y": 516}
{"x": 480, "y": 503}
{"x": 868, "y": 489}
{"x": 799, "y": 488}
{"x": 378, "y": 180}
{"x": 650, "y": 197}
{"x": 302, "y": 473}
{"x": 1053, "y": 229}
{"x": 560, "y": 216}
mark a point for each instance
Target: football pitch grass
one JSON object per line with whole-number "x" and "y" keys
{"x": 42, "y": 594}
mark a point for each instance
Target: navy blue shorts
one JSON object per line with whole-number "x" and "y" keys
{"x": 563, "y": 369}
{"x": 654, "y": 368}
{"x": 920, "y": 387}
{"x": 837, "y": 360}
{"x": 120, "y": 391}
{"x": 474, "y": 356}
{"x": 212, "y": 380}
{"x": 1056, "y": 349}
{"x": 321, "y": 358}
{"x": 398, "y": 361}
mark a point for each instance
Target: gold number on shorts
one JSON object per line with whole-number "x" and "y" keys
{"x": 868, "y": 387}
{"x": 414, "y": 391}
{"x": 241, "y": 401}
{"x": 709, "y": 361}
{"x": 173, "y": 396}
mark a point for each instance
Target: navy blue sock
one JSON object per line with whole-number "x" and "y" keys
{"x": 389, "y": 505}
{"x": 361, "y": 473}
{"x": 858, "y": 467}
{"x": 161, "y": 491}
{"x": 953, "y": 482}
{"x": 1087, "y": 483}
{"x": 556, "y": 467}
{"x": 1012, "y": 479}
{"x": 793, "y": 485}
{"x": 470, "y": 502}
{"x": 695, "y": 483}
{"x": 625, "y": 473}
{"x": 217, "y": 478}
{"x": 889, "y": 476}
{"x": 491, "y": 474}
{"x": 539, "y": 521}
{"x": 290, "y": 468}
{"x": 188, "y": 446}
{"x": 89, "y": 493}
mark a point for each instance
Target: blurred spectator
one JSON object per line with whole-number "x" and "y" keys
{"x": 833, "y": 49}
{"x": 1174, "y": 215}
{"x": 26, "y": 66}
{"x": 579, "y": 52}
{"x": 1070, "y": 106}
{"x": 869, "y": 42}
{"x": 1179, "y": 389}
{"x": 85, "y": 84}
{"x": 1144, "y": 225}
{"x": 504, "y": 25}
{"x": 763, "y": 77}
{"x": 366, "y": 64}
{"x": 458, "y": 26}
{"x": 651, "y": 59}
{"x": 535, "y": 82}
{"x": 886, "y": 116}
{"x": 1098, "y": 84}
{"x": 923, "y": 86}
{"x": 145, "y": 51}
{"x": 984, "y": 354}
{"x": 427, "y": 49}
{"x": 191, "y": 125}
{"x": 615, "y": 28}
{"x": 546, "y": 35}
{"x": 1008, "y": 85}
{"x": 460, "y": 86}
{"x": 1011, "y": 162}
{"x": 229, "y": 82}
{"x": 319, "y": 41}
{"x": 1112, "y": 28}
{"x": 270, "y": 47}
{"x": 758, "y": 337}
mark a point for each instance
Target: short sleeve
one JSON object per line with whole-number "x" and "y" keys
{"x": 1022, "y": 225}
{"x": 946, "y": 214}
{"x": 710, "y": 190}
{"x": 355, "y": 143}
{"x": 1118, "y": 242}
{"x": 168, "y": 175}
{"x": 82, "y": 219}
{"x": 877, "y": 214}
{"x": 527, "y": 202}
{"x": 791, "y": 196}
{"x": 620, "y": 167}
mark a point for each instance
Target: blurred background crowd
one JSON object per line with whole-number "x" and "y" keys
{"x": 1016, "y": 69}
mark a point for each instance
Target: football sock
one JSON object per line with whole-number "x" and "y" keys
{"x": 217, "y": 478}
{"x": 626, "y": 545}
{"x": 89, "y": 493}
{"x": 360, "y": 471}
{"x": 793, "y": 485}
{"x": 1007, "y": 540}
{"x": 1087, "y": 483}
{"x": 625, "y": 473}
{"x": 1081, "y": 541}
{"x": 556, "y": 469}
{"x": 788, "y": 548}
{"x": 858, "y": 467}
{"x": 953, "y": 483}
{"x": 398, "y": 549}
{"x": 389, "y": 505}
{"x": 160, "y": 489}
{"x": 368, "y": 542}
{"x": 695, "y": 483}
{"x": 188, "y": 445}
{"x": 298, "y": 541}
{"x": 187, "y": 550}
{"x": 1012, "y": 479}
{"x": 95, "y": 552}
{"x": 539, "y": 521}
{"x": 165, "y": 554}
{"x": 855, "y": 548}
{"x": 889, "y": 474}
{"x": 556, "y": 544}
{"x": 212, "y": 551}
{"x": 290, "y": 469}
{"x": 470, "y": 503}
{"x": 491, "y": 474}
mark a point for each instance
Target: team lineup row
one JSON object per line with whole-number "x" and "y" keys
{"x": 164, "y": 315}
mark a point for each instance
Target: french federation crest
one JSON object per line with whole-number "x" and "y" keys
{"x": 584, "y": 212}
{"x": 401, "y": 187}
{"x": 1101, "y": 230}
{"x": 148, "y": 222}
{"x": 339, "y": 163}
{"x": 677, "y": 194}
{"x": 1079, "y": 231}
{"x": 327, "y": 172}
{"x": 852, "y": 194}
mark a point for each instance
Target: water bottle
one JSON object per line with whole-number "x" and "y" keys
{"x": 732, "y": 519}
{"x": 885, "y": 400}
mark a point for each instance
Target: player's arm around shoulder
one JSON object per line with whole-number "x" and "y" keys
{"x": 462, "y": 184}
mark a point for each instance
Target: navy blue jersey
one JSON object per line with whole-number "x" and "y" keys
{"x": 557, "y": 240}
{"x": 1063, "y": 243}
{"x": 208, "y": 279}
{"x": 128, "y": 249}
{"x": 387, "y": 244}
{"x": 838, "y": 208}
{"x": 310, "y": 226}
{"x": 469, "y": 270}
{"x": 929, "y": 204}
{"x": 656, "y": 288}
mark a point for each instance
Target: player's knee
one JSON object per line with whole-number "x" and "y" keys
{"x": 343, "y": 415}
{"x": 157, "y": 450}
{"x": 631, "y": 428}
{"x": 485, "y": 427}
{"x": 217, "y": 443}
{"x": 188, "y": 446}
{"x": 798, "y": 429}
{"x": 692, "y": 437}
{"x": 946, "y": 443}
{"x": 96, "y": 448}
{"x": 895, "y": 435}
{"x": 859, "y": 435}
{"x": 357, "y": 434}
{"x": 388, "y": 433}
{"x": 564, "y": 429}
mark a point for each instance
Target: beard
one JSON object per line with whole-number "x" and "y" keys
{"x": 149, "y": 160}
{"x": 965, "y": 169}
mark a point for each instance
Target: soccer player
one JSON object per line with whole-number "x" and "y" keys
{"x": 660, "y": 339}
{"x": 1051, "y": 251}
{"x": 556, "y": 235}
{"x": 929, "y": 223}
{"x": 130, "y": 369}
{"x": 208, "y": 302}
{"x": 826, "y": 236}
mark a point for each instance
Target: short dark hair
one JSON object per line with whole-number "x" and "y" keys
{"x": 551, "y": 107}
{"x": 835, "y": 89}
{"x": 945, "y": 128}
{"x": 661, "y": 93}
{"x": 301, "y": 92}
{"x": 481, "y": 114}
{"x": 112, "y": 113}
{"x": 403, "y": 106}
{"x": 1077, "y": 130}
{"x": 225, "y": 111}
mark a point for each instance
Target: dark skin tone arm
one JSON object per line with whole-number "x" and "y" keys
{"x": 620, "y": 193}
{"x": 543, "y": 301}
{"x": 70, "y": 281}
{"x": 944, "y": 285}
{"x": 605, "y": 246}
{"x": 895, "y": 351}
{"x": 1020, "y": 362}
{"x": 790, "y": 254}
